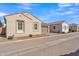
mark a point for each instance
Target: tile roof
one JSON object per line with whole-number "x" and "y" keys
{"x": 58, "y": 22}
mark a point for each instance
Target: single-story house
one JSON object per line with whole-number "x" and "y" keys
{"x": 22, "y": 24}
{"x": 45, "y": 28}
{"x": 77, "y": 27}
{"x": 1, "y": 27}
{"x": 73, "y": 27}
{"x": 1, "y": 30}
{"x": 59, "y": 27}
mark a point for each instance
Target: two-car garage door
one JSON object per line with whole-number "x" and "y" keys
{"x": 44, "y": 29}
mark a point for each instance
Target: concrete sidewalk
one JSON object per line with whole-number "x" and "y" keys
{"x": 19, "y": 39}
{"x": 4, "y": 40}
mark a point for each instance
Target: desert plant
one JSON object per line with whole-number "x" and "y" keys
{"x": 30, "y": 35}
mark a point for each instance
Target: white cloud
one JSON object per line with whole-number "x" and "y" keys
{"x": 74, "y": 16}
{"x": 71, "y": 6}
{"x": 62, "y": 5}
{"x": 25, "y": 6}
{"x": 63, "y": 13}
{"x": 28, "y": 6}
{"x": 2, "y": 14}
{"x": 54, "y": 14}
{"x": 51, "y": 14}
{"x": 67, "y": 8}
{"x": 67, "y": 13}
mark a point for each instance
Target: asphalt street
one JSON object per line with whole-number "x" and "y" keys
{"x": 53, "y": 45}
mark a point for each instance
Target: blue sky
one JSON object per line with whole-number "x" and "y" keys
{"x": 47, "y": 12}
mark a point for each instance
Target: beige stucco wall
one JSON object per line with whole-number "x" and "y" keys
{"x": 11, "y": 25}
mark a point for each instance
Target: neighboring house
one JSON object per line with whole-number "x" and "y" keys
{"x": 73, "y": 27}
{"x": 77, "y": 27}
{"x": 1, "y": 27}
{"x": 22, "y": 24}
{"x": 1, "y": 30}
{"x": 45, "y": 28}
{"x": 59, "y": 27}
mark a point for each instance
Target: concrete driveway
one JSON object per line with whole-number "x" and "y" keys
{"x": 42, "y": 46}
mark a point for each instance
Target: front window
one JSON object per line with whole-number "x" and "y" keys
{"x": 53, "y": 27}
{"x": 35, "y": 26}
{"x": 20, "y": 26}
